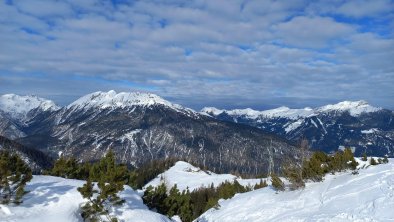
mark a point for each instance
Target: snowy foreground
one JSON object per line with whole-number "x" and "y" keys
{"x": 57, "y": 199}
{"x": 368, "y": 196}
{"x": 185, "y": 175}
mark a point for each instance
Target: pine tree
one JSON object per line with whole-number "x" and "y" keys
{"x": 364, "y": 158}
{"x": 385, "y": 159}
{"x": 173, "y": 201}
{"x": 261, "y": 184}
{"x": 186, "y": 208}
{"x": 277, "y": 183}
{"x": 14, "y": 174}
{"x": 372, "y": 161}
{"x": 110, "y": 179}
{"x": 294, "y": 173}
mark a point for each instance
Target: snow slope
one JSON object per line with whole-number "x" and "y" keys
{"x": 368, "y": 196}
{"x": 185, "y": 175}
{"x": 57, "y": 199}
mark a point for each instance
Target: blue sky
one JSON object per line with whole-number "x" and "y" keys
{"x": 229, "y": 54}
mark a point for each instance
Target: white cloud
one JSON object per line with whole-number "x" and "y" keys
{"x": 234, "y": 52}
{"x": 43, "y": 8}
{"x": 315, "y": 32}
{"x": 362, "y": 8}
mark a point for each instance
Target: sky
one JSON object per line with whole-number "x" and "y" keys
{"x": 224, "y": 53}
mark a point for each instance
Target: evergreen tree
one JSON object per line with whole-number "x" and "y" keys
{"x": 293, "y": 173}
{"x": 70, "y": 168}
{"x": 14, "y": 174}
{"x": 385, "y": 159}
{"x": 372, "y": 161}
{"x": 155, "y": 198}
{"x": 277, "y": 183}
{"x": 364, "y": 158}
{"x": 110, "y": 179}
{"x": 261, "y": 184}
{"x": 186, "y": 208}
{"x": 173, "y": 201}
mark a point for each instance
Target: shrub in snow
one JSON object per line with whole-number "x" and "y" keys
{"x": 262, "y": 184}
{"x": 385, "y": 159}
{"x": 14, "y": 174}
{"x": 372, "y": 161}
{"x": 110, "y": 179}
{"x": 364, "y": 158}
{"x": 277, "y": 183}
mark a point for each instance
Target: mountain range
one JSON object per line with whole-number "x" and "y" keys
{"x": 140, "y": 127}
{"x": 354, "y": 124}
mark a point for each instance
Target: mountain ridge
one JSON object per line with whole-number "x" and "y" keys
{"x": 355, "y": 124}
{"x": 355, "y": 108}
{"x": 140, "y": 127}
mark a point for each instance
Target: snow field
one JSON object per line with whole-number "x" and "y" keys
{"x": 367, "y": 196}
{"x": 55, "y": 199}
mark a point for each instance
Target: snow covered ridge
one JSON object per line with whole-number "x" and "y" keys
{"x": 355, "y": 108}
{"x": 57, "y": 199}
{"x": 185, "y": 175}
{"x": 111, "y": 99}
{"x": 18, "y": 106}
{"x": 368, "y": 196}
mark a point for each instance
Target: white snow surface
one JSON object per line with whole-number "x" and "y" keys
{"x": 18, "y": 106}
{"x": 56, "y": 199}
{"x": 355, "y": 108}
{"x": 368, "y": 196}
{"x": 185, "y": 175}
{"x": 282, "y": 111}
{"x": 111, "y": 99}
{"x": 373, "y": 130}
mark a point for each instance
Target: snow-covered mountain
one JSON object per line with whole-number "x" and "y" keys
{"x": 367, "y": 196}
{"x": 327, "y": 128}
{"x": 187, "y": 176}
{"x": 354, "y": 108}
{"x": 140, "y": 127}
{"x": 20, "y": 108}
{"x": 57, "y": 199}
{"x": 123, "y": 100}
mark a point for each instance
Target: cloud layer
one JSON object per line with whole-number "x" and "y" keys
{"x": 219, "y": 53}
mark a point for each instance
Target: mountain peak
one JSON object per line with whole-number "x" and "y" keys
{"x": 112, "y": 99}
{"x": 355, "y": 108}
{"x": 18, "y": 106}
